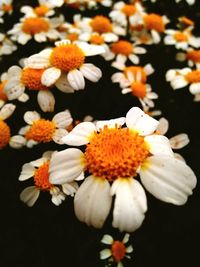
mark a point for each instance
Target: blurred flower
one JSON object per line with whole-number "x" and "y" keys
{"x": 191, "y": 55}
{"x": 6, "y": 45}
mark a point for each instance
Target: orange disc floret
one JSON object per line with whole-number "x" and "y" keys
{"x": 180, "y": 37}
{"x": 122, "y": 47}
{"x": 139, "y": 89}
{"x": 193, "y": 76}
{"x": 118, "y": 251}
{"x": 154, "y": 22}
{"x": 96, "y": 39}
{"x": 67, "y": 57}
{"x": 35, "y": 25}
{"x": 41, "y": 10}
{"x": 193, "y": 56}
{"x": 4, "y": 134}
{"x": 101, "y": 24}
{"x": 3, "y": 96}
{"x": 135, "y": 70}
{"x": 41, "y": 131}
{"x": 114, "y": 153}
{"x": 128, "y": 10}
{"x": 31, "y": 78}
{"x": 186, "y": 21}
{"x": 7, "y": 8}
{"x": 72, "y": 36}
{"x": 41, "y": 177}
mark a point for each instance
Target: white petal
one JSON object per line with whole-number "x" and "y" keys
{"x": 130, "y": 204}
{"x": 31, "y": 116}
{"x": 163, "y": 126}
{"x": 66, "y": 166}
{"x": 23, "y": 98}
{"x": 194, "y": 88}
{"x": 50, "y": 76}
{"x": 137, "y": 120}
{"x": 110, "y": 123}
{"x": 6, "y": 111}
{"x": 105, "y": 253}
{"x": 17, "y": 141}
{"x": 70, "y": 188}
{"x": 27, "y": 172}
{"x": 76, "y": 79}
{"x": 14, "y": 89}
{"x": 134, "y": 59}
{"x": 107, "y": 239}
{"x": 168, "y": 179}
{"x": 63, "y": 119}
{"x": 92, "y": 201}
{"x": 46, "y": 100}
{"x": 57, "y": 196}
{"x": 149, "y": 69}
{"x": 89, "y": 49}
{"x": 159, "y": 145}
{"x": 30, "y": 195}
{"x": 37, "y": 61}
{"x": 58, "y": 136}
{"x": 179, "y": 82}
{"x": 80, "y": 135}
{"x": 91, "y": 72}
{"x": 14, "y": 71}
{"x": 179, "y": 141}
{"x": 63, "y": 85}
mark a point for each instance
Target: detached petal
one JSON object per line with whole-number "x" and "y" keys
{"x": 130, "y": 204}
{"x": 92, "y": 201}
{"x": 168, "y": 179}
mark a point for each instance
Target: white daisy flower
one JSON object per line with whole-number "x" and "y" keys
{"x": 39, "y": 170}
{"x": 5, "y": 8}
{"x": 82, "y": 4}
{"x": 191, "y": 55}
{"x": 39, "y": 28}
{"x": 116, "y": 250}
{"x": 180, "y": 78}
{"x": 113, "y": 157}
{"x": 65, "y": 65}
{"x": 41, "y": 130}
{"x": 6, "y": 45}
{"x": 181, "y": 39}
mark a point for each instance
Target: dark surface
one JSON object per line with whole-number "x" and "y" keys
{"x": 46, "y": 235}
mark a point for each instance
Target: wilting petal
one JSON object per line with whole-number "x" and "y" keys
{"x": 92, "y": 201}
{"x": 46, "y": 101}
{"x": 168, "y": 179}
{"x": 30, "y": 195}
{"x": 130, "y": 204}
{"x": 179, "y": 141}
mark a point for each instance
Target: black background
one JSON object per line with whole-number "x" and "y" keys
{"x": 46, "y": 235}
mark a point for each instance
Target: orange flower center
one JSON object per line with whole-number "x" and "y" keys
{"x": 118, "y": 250}
{"x": 3, "y": 96}
{"x": 128, "y": 10}
{"x": 96, "y": 39}
{"x": 180, "y": 37}
{"x": 193, "y": 76}
{"x": 41, "y": 177}
{"x": 154, "y": 22}
{"x": 122, "y": 47}
{"x": 41, "y": 10}
{"x": 114, "y": 153}
{"x": 7, "y": 8}
{"x": 67, "y": 57}
{"x": 101, "y": 24}
{"x": 194, "y": 55}
{"x": 41, "y": 131}
{"x": 186, "y": 21}
{"x": 35, "y": 25}
{"x": 139, "y": 89}
{"x": 4, "y": 134}
{"x": 134, "y": 70}
{"x": 72, "y": 37}
{"x": 31, "y": 78}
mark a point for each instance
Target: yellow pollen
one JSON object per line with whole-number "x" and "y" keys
{"x": 41, "y": 177}
{"x": 35, "y": 25}
{"x": 96, "y": 39}
{"x": 193, "y": 76}
{"x": 194, "y": 55}
{"x": 180, "y": 37}
{"x": 101, "y": 24}
{"x": 154, "y": 22}
{"x": 41, "y": 10}
{"x": 67, "y": 57}
{"x": 3, "y": 96}
{"x": 122, "y": 47}
{"x": 72, "y": 37}
{"x": 118, "y": 251}
{"x": 114, "y": 153}
{"x": 7, "y": 8}
{"x": 134, "y": 70}
{"x": 41, "y": 131}
{"x": 4, "y": 134}
{"x": 139, "y": 89}
{"x": 128, "y": 10}
{"x": 31, "y": 78}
